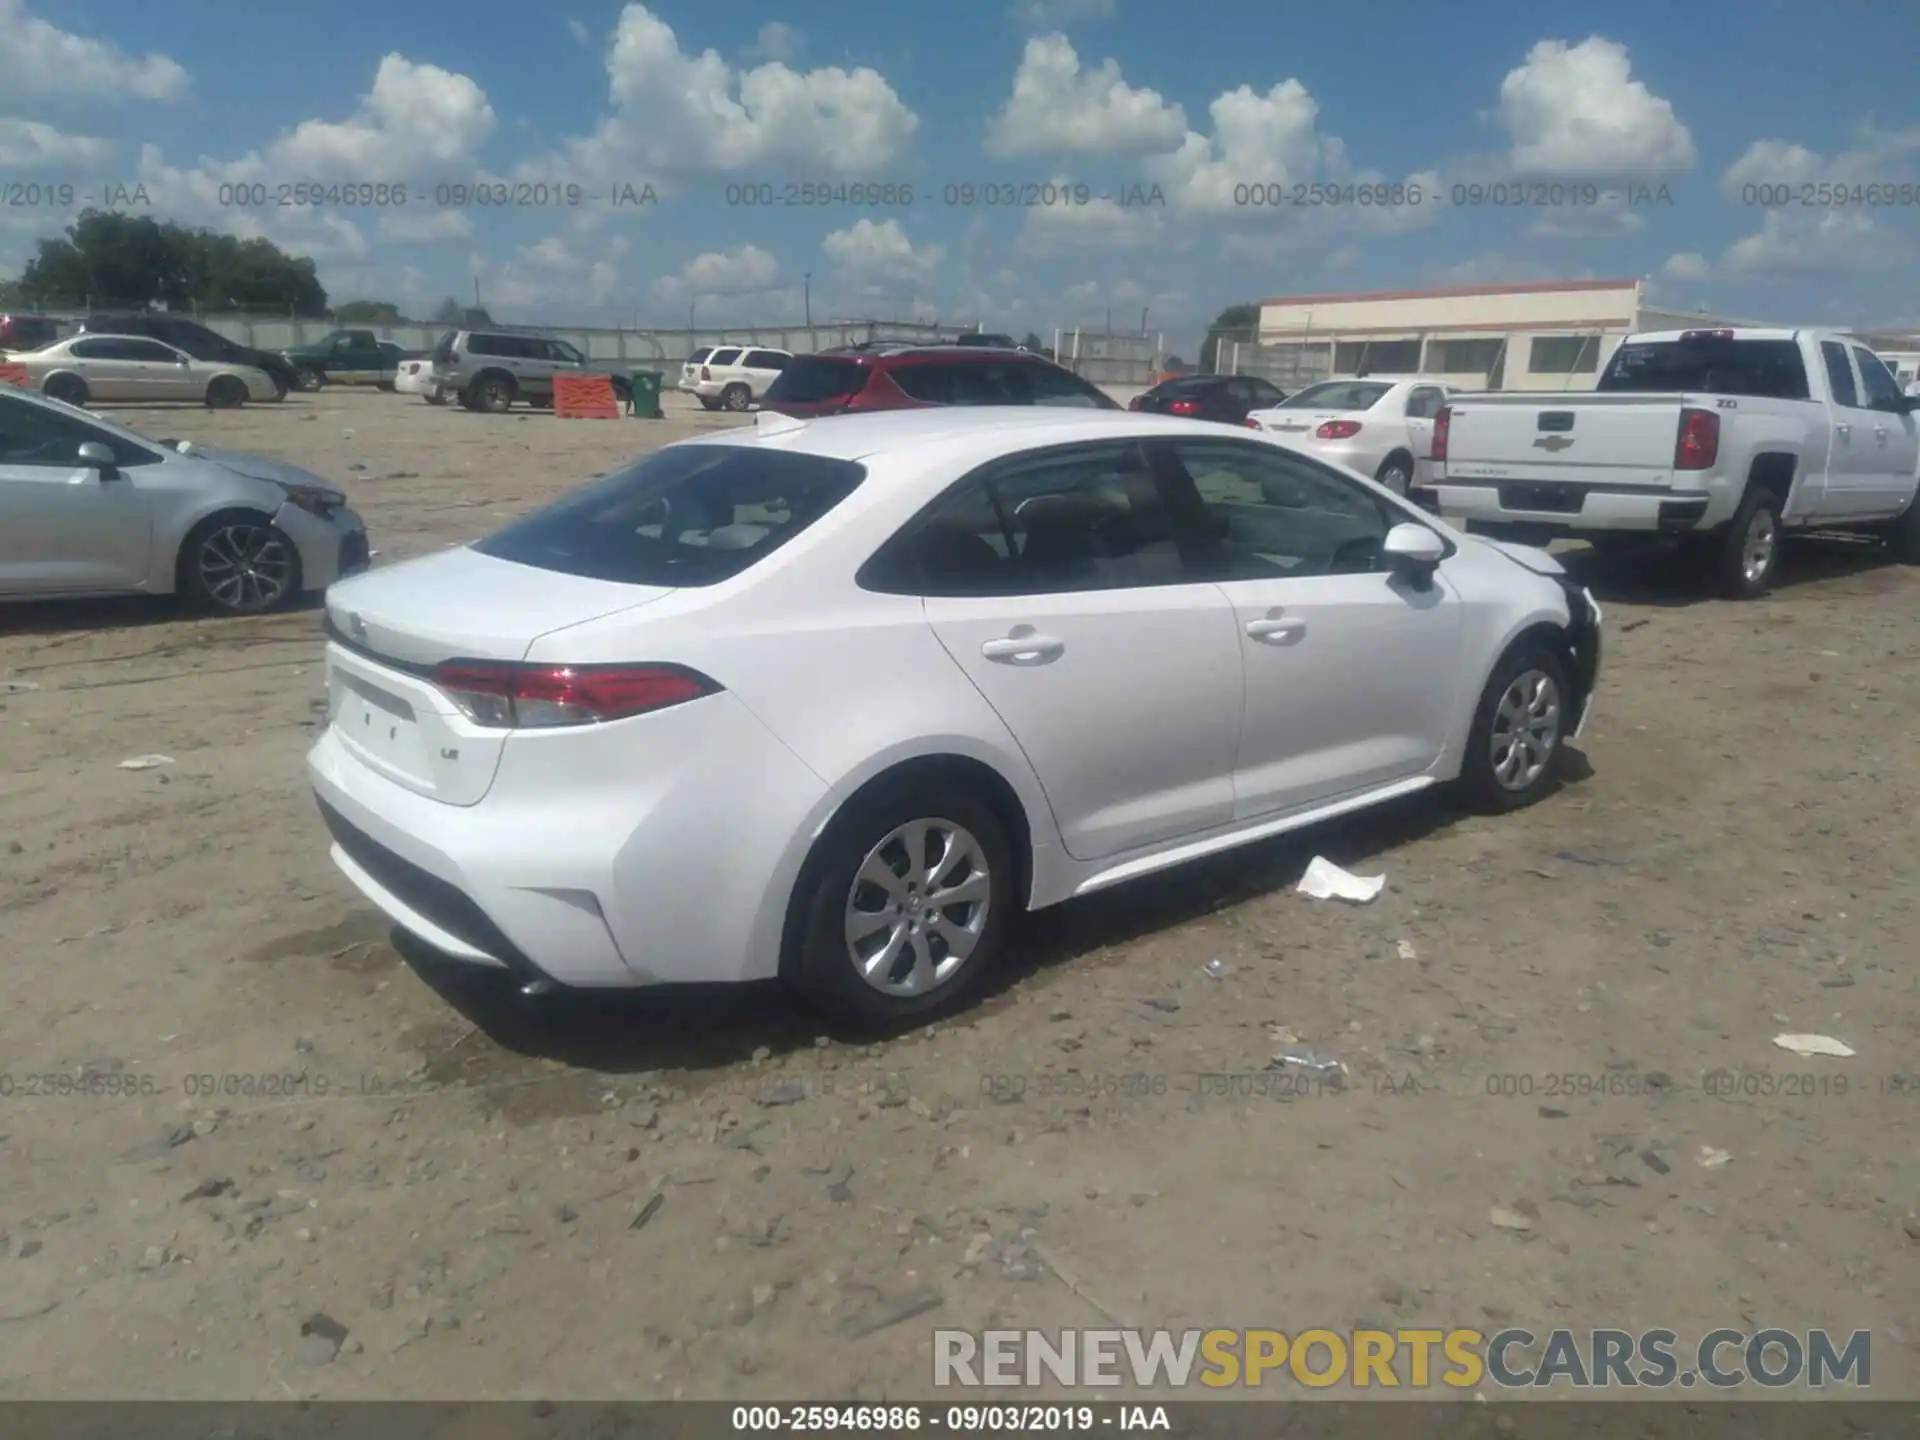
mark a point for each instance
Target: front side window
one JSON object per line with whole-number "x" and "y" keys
{"x": 33, "y": 434}
{"x": 564, "y": 352}
{"x": 1883, "y": 391}
{"x": 1275, "y": 515}
{"x": 686, "y": 515}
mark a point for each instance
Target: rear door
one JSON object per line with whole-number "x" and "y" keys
{"x": 1853, "y": 466}
{"x": 1896, "y": 448}
{"x": 162, "y": 372}
{"x": 1351, "y": 674}
{"x": 65, "y": 526}
{"x": 106, "y": 364}
{"x": 1056, "y": 582}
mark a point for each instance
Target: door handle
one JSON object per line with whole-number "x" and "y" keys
{"x": 1027, "y": 649}
{"x": 1276, "y": 629}
{"x": 1843, "y": 430}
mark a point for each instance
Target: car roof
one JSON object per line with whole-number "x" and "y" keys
{"x": 981, "y": 432}
{"x": 905, "y": 351}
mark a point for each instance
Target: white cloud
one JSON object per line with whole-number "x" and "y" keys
{"x": 422, "y": 225}
{"x": 677, "y": 114}
{"x": 28, "y": 145}
{"x": 1837, "y": 232}
{"x": 1612, "y": 216}
{"x": 1577, "y": 110}
{"x": 1059, "y": 108}
{"x": 41, "y": 62}
{"x": 551, "y": 274}
{"x": 1058, "y": 14}
{"x": 1686, "y": 266}
{"x": 578, "y": 29}
{"x": 777, "y": 40}
{"x": 1493, "y": 268}
{"x": 881, "y": 251}
{"x": 739, "y": 270}
{"x": 1099, "y": 224}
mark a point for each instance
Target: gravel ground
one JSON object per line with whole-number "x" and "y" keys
{"x": 698, "y": 1196}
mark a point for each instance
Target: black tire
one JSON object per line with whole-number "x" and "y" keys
{"x": 1749, "y": 553}
{"x": 384, "y": 385}
{"x": 306, "y": 380}
{"x": 225, "y": 392}
{"x": 707, "y": 404}
{"x": 220, "y": 547}
{"x": 435, "y": 397}
{"x": 68, "y": 389}
{"x": 1396, "y": 472}
{"x": 1485, "y": 784}
{"x": 491, "y": 394}
{"x": 820, "y": 959}
{"x": 736, "y": 397}
{"x": 1903, "y": 538}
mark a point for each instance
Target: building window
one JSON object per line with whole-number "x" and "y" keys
{"x": 1463, "y": 357}
{"x": 1565, "y": 355}
{"x": 1376, "y": 357}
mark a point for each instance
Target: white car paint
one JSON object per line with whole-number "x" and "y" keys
{"x": 414, "y": 377}
{"x": 727, "y": 373}
{"x": 1133, "y": 729}
{"x": 1394, "y": 424}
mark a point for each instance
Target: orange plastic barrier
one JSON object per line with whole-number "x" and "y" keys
{"x": 584, "y": 397}
{"x": 13, "y": 375}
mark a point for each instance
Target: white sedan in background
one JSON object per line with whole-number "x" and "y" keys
{"x": 1381, "y": 426}
{"x": 123, "y": 368}
{"x": 611, "y": 745}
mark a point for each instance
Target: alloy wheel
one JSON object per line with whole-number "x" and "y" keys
{"x": 1759, "y": 546}
{"x": 245, "y": 567}
{"x": 1526, "y": 729}
{"x": 917, "y": 907}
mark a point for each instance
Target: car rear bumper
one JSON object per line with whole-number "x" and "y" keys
{"x": 1560, "y": 508}
{"x": 676, "y": 873}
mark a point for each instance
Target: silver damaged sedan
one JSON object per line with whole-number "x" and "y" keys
{"x": 90, "y": 508}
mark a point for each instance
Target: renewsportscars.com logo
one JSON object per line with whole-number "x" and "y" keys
{"x": 1511, "y": 1359}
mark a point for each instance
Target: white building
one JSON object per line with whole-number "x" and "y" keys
{"x": 1546, "y": 335}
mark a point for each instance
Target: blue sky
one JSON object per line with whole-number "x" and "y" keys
{"x": 1640, "y": 139}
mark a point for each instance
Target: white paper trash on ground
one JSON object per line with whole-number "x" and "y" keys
{"x": 1806, "y": 1045}
{"x": 146, "y": 762}
{"x": 1325, "y": 880}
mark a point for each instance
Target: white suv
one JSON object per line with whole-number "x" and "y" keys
{"x": 733, "y": 376}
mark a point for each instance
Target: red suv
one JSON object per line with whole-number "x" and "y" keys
{"x": 836, "y": 382}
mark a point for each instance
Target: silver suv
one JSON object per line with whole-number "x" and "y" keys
{"x": 491, "y": 369}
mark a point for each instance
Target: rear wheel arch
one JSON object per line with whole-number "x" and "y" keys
{"x": 1773, "y": 471}
{"x": 929, "y": 771}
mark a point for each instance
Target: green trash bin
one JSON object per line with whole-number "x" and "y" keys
{"x": 646, "y": 394}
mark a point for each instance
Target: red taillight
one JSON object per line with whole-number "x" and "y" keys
{"x": 705, "y": 373}
{"x": 519, "y": 697}
{"x": 1442, "y": 422}
{"x": 1183, "y": 407}
{"x": 1699, "y": 444}
{"x": 1338, "y": 430}
{"x": 1252, "y": 424}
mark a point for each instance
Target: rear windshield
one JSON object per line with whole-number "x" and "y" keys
{"x": 684, "y": 515}
{"x": 1767, "y": 368}
{"x": 812, "y": 381}
{"x": 699, "y": 355}
{"x": 1337, "y": 395}
{"x": 443, "y": 347}
{"x": 1193, "y": 385}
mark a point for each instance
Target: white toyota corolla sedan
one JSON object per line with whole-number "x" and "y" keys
{"x": 833, "y": 699}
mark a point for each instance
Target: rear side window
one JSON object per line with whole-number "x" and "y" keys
{"x": 812, "y": 380}
{"x": 699, "y": 356}
{"x": 765, "y": 360}
{"x": 1050, "y": 385}
{"x": 1764, "y": 369}
{"x": 1839, "y": 374}
{"x": 724, "y": 357}
{"x": 687, "y": 515}
{"x": 931, "y": 384}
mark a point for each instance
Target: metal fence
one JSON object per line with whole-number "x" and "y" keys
{"x": 638, "y": 347}
{"x": 1289, "y": 364}
{"x": 1104, "y": 359}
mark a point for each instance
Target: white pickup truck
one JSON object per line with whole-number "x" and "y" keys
{"x": 1722, "y": 438}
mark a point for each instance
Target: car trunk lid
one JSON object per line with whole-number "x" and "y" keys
{"x": 390, "y": 628}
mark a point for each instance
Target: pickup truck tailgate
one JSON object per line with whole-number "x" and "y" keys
{"x": 1614, "y": 440}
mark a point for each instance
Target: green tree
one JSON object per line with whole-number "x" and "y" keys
{"x": 369, "y": 312}
{"x": 107, "y": 258}
{"x": 1034, "y": 342}
{"x": 1236, "y": 322}
{"x": 452, "y": 312}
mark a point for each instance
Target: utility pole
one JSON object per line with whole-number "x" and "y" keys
{"x": 806, "y": 282}
{"x": 690, "y": 307}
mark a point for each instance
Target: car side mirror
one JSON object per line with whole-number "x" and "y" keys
{"x": 1414, "y": 551}
{"x": 95, "y": 456}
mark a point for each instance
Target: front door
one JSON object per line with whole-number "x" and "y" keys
{"x": 1055, "y": 582}
{"x": 1896, "y": 441}
{"x": 1854, "y": 459}
{"x": 1352, "y": 673}
{"x": 65, "y": 526}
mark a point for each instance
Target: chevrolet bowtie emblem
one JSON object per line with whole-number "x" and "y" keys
{"x": 1552, "y": 443}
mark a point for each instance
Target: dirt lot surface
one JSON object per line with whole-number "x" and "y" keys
{"x": 693, "y": 1196}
